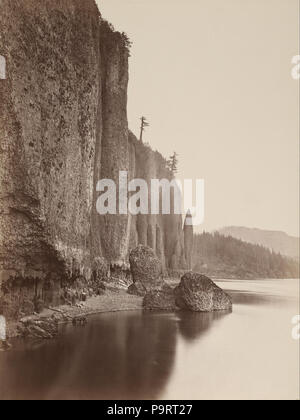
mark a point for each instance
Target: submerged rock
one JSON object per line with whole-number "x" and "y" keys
{"x": 79, "y": 321}
{"x": 161, "y": 299}
{"x": 5, "y": 345}
{"x": 198, "y": 293}
{"x": 146, "y": 269}
{"x": 46, "y": 328}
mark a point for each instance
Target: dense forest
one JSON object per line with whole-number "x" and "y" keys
{"x": 227, "y": 257}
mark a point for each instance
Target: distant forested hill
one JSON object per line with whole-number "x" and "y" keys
{"x": 228, "y": 257}
{"x": 277, "y": 241}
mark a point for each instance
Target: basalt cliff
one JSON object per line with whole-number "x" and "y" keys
{"x": 63, "y": 127}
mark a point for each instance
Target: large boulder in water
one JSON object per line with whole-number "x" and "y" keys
{"x": 146, "y": 269}
{"x": 161, "y": 300}
{"x": 200, "y": 294}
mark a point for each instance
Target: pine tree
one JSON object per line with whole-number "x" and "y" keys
{"x": 144, "y": 124}
{"x": 172, "y": 163}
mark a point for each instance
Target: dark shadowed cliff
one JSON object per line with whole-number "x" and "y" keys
{"x": 63, "y": 127}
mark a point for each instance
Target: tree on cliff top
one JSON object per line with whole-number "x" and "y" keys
{"x": 172, "y": 163}
{"x": 127, "y": 42}
{"x": 144, "y": 124}
{"x": 113, "y": 37}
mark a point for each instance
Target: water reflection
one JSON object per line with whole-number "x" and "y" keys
{"x": 193, "y": 325}
{"x": 117, "y": 356}
{"x": 256, "y": 298}
{"x": 125, "y": 355}
{"x": 138, "y": 355}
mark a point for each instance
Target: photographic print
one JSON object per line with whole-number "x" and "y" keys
{"x": 149, "y": 202}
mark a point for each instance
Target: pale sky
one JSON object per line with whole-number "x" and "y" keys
{"x": 213, "y": 77}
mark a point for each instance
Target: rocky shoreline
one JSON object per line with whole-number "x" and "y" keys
{"x": 149, "y": 291}
{"x": 45, "y": 325}
{"x": 111, "y": 301}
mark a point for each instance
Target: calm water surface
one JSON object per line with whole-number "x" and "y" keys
{"x": 246, "y": 354}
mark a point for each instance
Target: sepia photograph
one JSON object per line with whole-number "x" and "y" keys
{"x": 149, "y": 203}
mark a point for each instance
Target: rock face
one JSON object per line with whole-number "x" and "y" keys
{"x": 45, "y": 329}
{"x": 162, "y": 233}
{"x": 63, "y": 127}
{"x": 136, "y": 289}
{"x": 200, "y": 294}
{"x": 146, "y": 269}
{"x": 161, "y": 300}
{"x": 188, "y": 239}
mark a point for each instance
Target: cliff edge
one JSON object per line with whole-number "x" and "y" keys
{"x": 63, "y": 127}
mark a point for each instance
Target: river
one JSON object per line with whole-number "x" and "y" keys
{"x": 248, "y": 353}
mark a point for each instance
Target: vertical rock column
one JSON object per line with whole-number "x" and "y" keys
{"x": 188, "y": 239}
{"x": 114, "y": 146}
